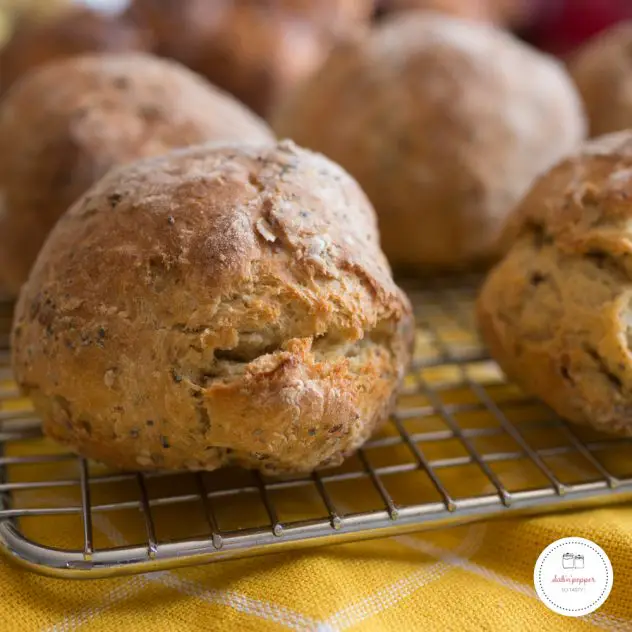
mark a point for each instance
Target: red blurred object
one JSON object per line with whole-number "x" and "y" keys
{"x": 560, "y": 26}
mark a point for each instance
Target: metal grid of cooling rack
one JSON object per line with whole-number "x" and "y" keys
{"x": 457, "y": 422}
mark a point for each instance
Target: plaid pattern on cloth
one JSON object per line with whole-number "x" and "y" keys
{"x": 476, "y": 577}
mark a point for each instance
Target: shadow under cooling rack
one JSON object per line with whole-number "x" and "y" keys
{"x": 462, "y": 445}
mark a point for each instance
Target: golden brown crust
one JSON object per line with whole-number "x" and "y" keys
{"x": 217, "y": 305}
{"x": 65, "y": 125}
{"x": 444, "y": 123}
{"x": 556, "y": 311}
{"x": 257, "y": 51}
{"x": 602, "y": 70}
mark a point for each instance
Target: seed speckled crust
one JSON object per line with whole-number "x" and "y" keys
{"x": 233, "y": 306}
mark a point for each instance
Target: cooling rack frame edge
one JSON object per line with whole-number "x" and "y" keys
{"x": 61, "y": 564}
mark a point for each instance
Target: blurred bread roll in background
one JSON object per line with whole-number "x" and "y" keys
{"x": 256, "y": 49}
{"x": 66, "y": 124}
{"x": 445, "y": 123}
{"x": 32, "y": 9}
{"x": 64, "y": 34}
{"x": 503, "y": 12}
{"x": 602, "y": 70}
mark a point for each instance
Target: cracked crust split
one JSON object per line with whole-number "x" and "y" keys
{"x": 236, "y": 298}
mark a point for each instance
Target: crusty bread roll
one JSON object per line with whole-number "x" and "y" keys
{"x": 65, "y": 125}
{"x": 603, "y": 74}
{"x": 257, "y": 49}
{"x": 556, "y": 311}
{"x": 444, "y": 123}
{"x": 73, "y": 32}
{"x": 218, "y": 305}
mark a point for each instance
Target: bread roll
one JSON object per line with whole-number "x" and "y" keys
{"x": 72, "y": 32}
{"x": 216, "y": 306}
{"x": 445, "y": 124}
{"x": 65, "y": 125}
{"x": 258, "y": 49}
{"x": 505, "y": 12}
{"x": 603, "y": 73}
{"x": 556, "y": 311}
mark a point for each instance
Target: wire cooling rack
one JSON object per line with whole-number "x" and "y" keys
{"x": 462, "y": 445}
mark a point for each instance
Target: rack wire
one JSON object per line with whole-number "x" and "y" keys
{"x": 462, "y": 445}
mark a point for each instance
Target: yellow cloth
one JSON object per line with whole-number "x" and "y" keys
{"x": 475, "y": 577}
